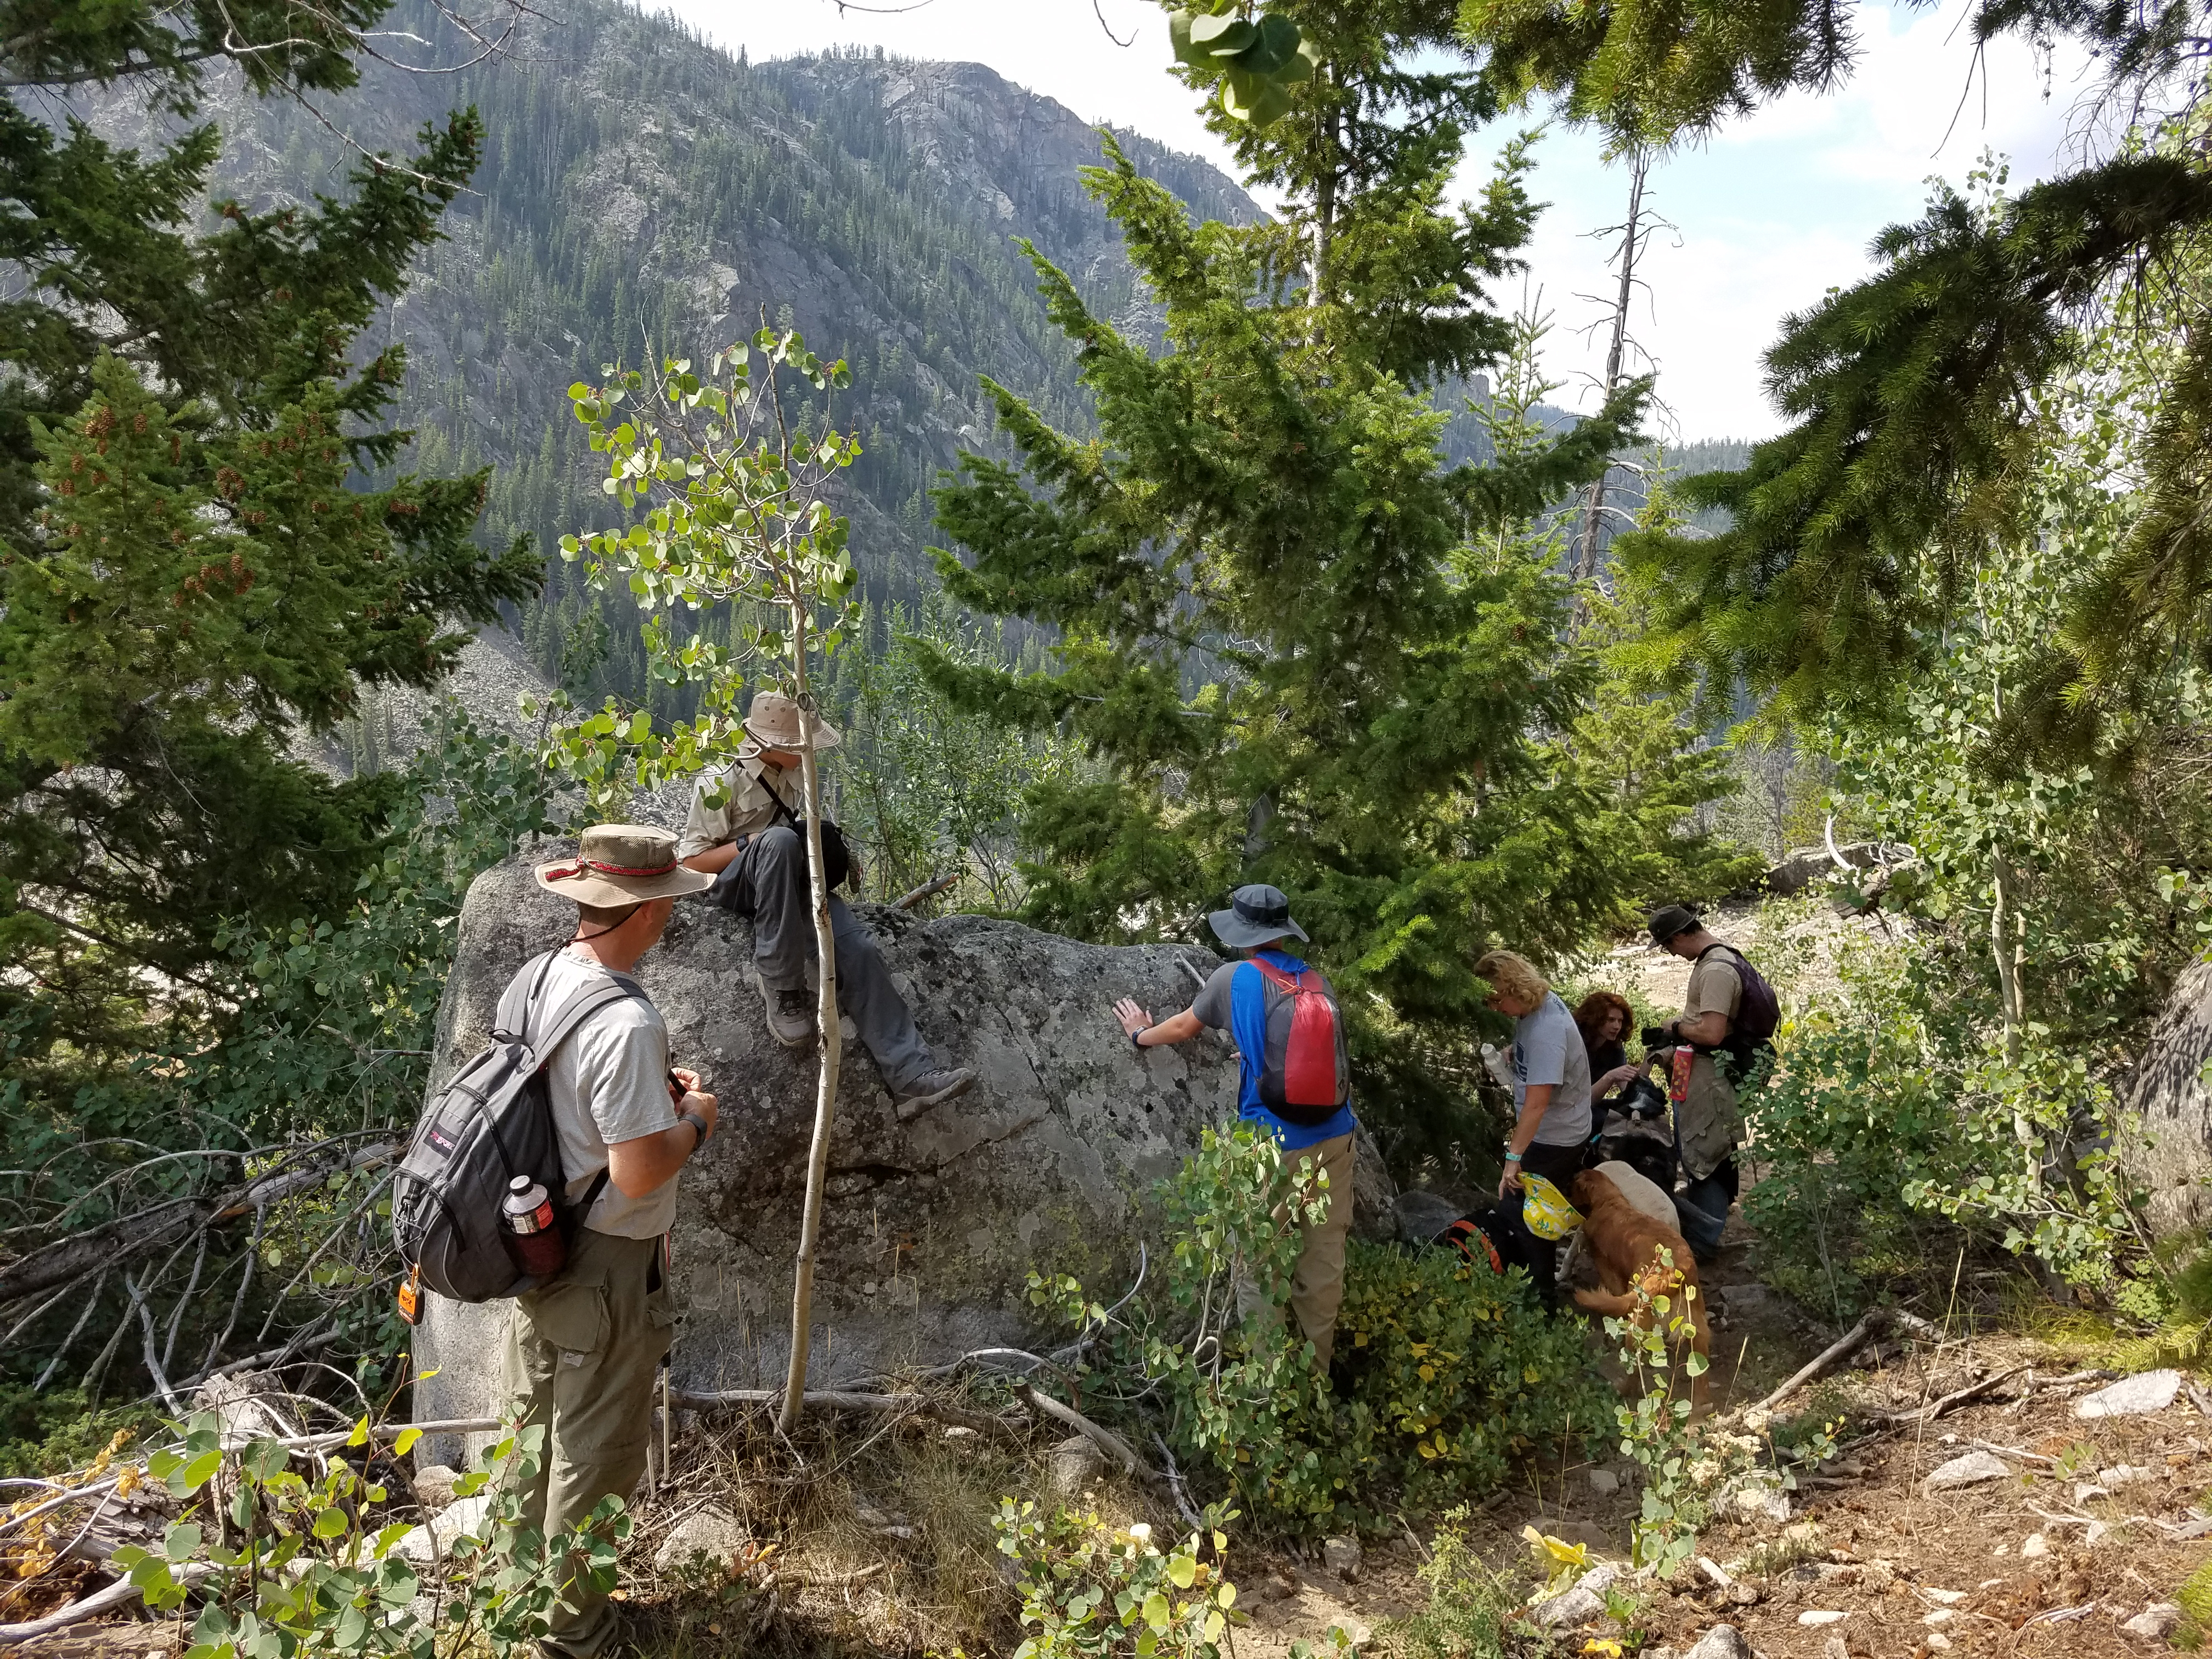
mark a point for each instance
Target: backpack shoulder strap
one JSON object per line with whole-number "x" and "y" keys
{"x": 516, "y": 1003}
{"x": 1276, "y": 977}
{"x": 579, "y": 1007}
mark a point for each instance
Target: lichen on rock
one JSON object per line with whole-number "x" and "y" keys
{"x": 929, "y": 1228}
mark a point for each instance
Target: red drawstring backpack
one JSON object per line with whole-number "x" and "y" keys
{"x": 1312, "y": 1079}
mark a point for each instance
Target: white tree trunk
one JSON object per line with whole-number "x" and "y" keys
{"x": 1639, "y": 167}
{"x": 825, "y": 1017}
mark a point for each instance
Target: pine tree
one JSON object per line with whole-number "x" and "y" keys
{"x": 1912, "y": 395}
{"x": 191, "y": 570}
{"x": 1307, "y": 651}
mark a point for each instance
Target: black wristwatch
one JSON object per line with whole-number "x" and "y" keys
{"x": 1137, "y": 1036}
{"x": 699, "y": 1124}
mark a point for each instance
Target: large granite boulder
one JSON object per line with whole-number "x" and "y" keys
{"x": 931, "y": 1227}
{"x": 2168, "y": 1146}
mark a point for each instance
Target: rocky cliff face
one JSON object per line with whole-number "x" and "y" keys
{"x": 2169, "y": 1145}
{"x": 932, "y": 1226}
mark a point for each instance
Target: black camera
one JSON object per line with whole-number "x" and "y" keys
{"x": 1658, "y": 1036}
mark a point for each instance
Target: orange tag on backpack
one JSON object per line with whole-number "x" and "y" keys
{"x": 410, "y": 1296}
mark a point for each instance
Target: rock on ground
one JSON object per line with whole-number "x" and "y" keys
{"x": 1048, "y": 1162}
{"x": 463, "y": 1515}
{"x": 1580, "y": 1601}
{"x": 1721, "y": 1641}
{"x": 1759, "y": 1495}
{"x": 714, "y": 1533}
{"x": 2155, "y": 1622}
{"x": 1970, "y": 1470}
{"x": 1075, "y": 1464}
{"x": 2131, "y": 1396}
{"x": 1341, "y": 1557}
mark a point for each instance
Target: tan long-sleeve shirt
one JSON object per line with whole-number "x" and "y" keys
{"x": 748, "y": 805}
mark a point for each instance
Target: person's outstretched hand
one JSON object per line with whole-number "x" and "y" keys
{"x": 1134, "y": 1019}
{"x": 1614, "y": 1079}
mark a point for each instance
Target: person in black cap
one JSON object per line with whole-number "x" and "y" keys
{"x": 1707, "y": 1125}
{"x": 1294, "y": 1079}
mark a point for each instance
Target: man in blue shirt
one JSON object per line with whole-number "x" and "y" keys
{"x": 1299, "y": 1093}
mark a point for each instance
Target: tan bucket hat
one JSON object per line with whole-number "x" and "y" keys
{"x": 619, "y": 863}
{"x": 773, "y": 719}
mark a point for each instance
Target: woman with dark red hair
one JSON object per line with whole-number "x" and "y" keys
{"x": 1604, "y": 1020}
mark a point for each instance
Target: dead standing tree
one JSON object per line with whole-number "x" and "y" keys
{"x": 1635, "y": 233}
{"x": 728, "y": 481}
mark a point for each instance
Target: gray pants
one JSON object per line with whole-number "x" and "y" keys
{"x": 767, "y": 881}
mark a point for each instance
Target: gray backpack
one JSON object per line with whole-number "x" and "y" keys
{"x": 491, "y": 1121}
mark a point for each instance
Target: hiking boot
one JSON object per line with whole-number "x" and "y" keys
{"x": 790, "y": 1014}
{"x": 932, "y": 1088}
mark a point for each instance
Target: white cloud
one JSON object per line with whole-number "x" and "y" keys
{"x": 1773, "y": 211}
{"x": 1059, "y": 48}
{"x": 1781, "y": 206}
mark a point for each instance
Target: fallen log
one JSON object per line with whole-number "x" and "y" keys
{"x": 1875, "y": 1319}
{"x": 1928, "y": 1414}
{"x": 846, "y": 1400}
{"x": 105, "y": 1599}
{"x": 114, "y": 1243}
{"x": 927, "y": 890}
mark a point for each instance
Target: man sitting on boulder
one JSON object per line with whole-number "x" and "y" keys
{"x": 754, "y": 845}
{"x": 1295, "y": 1085}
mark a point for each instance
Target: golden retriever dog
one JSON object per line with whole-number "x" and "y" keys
{"x": 1625, "y": 1245}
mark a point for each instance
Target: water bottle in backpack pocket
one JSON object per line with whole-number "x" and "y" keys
{"x": 490, "y": 1123}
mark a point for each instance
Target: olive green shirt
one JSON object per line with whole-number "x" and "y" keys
{"x": 1708, "y": 1121}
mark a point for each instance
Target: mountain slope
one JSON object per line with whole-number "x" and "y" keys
{"x": 639, "y": 185}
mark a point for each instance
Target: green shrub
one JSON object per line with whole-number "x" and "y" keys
{"x": 298, "y": 1566}
{"x": 1470, "y": 1603}
{"x": 1093, "y": 1591}
{"x": 1444, "y": 1373}
{"x": 1896, "y": 1129}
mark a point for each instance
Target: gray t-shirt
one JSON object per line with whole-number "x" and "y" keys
{"x": 1548, "y": 1047}
{"x": 609, "y": 1083}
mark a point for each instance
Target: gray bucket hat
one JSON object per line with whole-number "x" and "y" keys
{"x": 1669, "y": 919}
{"x": 1256, "y": 915}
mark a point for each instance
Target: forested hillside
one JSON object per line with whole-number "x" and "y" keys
{"x": 641, "y": 184}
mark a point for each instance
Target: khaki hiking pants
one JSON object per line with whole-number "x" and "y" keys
{"x": 1317, "y": 1281}
{"x": 581, "y": 1356}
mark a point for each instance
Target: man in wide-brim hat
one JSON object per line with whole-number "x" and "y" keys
{"x": 582, "y": 1348}
{"x": 1302, "y": 1099}
{"x": 754, "y": 846}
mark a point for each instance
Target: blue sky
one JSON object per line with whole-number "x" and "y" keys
{"x": 1770, "y": 214}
